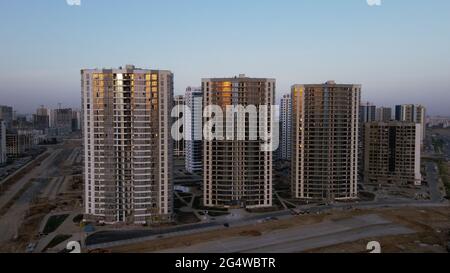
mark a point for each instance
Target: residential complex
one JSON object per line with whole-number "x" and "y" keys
{"x": 285, "y": 151}
{"x": 194, "y": 128}
{"x": 179, "y": 148}
{"x": 392, "y": 153}
{"x": 128, "y": 149}
{"x": 238, "y": 173}
{"x": 325, "y": 145}
{"x": 20, "y": 141}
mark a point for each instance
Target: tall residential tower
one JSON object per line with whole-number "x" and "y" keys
{"x": 412, "y": 113}
{"x": 128, "y": 149}
{"x": 325, "y": 146}
{"x": 384, "y": 114}
{"x": 286, "y": 128}
{"x": 367, "y": 113}
{"x": 2, "y": 142}
{"x": 392, "y": 153}
{"x": 238, "y": 173}
{"x": 194, "y": 128}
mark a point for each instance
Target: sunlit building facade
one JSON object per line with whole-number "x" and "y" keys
{"x": 128, "y": 148}
{"x": 238, "y": 173}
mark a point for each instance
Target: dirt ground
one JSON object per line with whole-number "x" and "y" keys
{"x": 432, "y": 226}
{"x": 69, "y": 199}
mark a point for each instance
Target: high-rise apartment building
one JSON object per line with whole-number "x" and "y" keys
{"x": 194, "y": 128}
{"x": 128, "y": 147}
{"x": 6, "y": 114}
{"x": 76, "y": 120}
{"x": 238, "y": 173}
{"x": 14, "y": 147}
{"x": 2, "y": 142}
{"x": 412, "y": 113}
{"x": 179, "y": 148}
{"x": 325, "y": 145}
{"x": 62, "y": 121}
{"x": 285, "y": 152}
{"x": 41, "y": 120}
{"x": 367, "y": 112}
{"x": 392, "y": 153}
{"x": 384, "y": 114}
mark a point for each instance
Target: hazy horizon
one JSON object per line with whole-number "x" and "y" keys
{"x": 398, "y": 51}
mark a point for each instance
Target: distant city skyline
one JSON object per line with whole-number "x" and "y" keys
{"x": 398, "y": 51}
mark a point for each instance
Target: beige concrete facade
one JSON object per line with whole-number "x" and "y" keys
{"x": 128, "y": 149}
{"x": 238, "y": 173}
{"x": 325, "y": 141}
{"x": 392, "y": 153}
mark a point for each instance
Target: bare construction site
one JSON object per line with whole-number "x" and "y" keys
{"x": 50, "y": 184}
{"x": 398, "y": 230}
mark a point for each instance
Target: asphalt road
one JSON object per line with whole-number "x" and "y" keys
{"x": 298, "y": 239}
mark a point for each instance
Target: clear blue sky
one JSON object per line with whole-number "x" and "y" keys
{"x": 399, "y": 51}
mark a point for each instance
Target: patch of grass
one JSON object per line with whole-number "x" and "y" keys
{"x": 198, "y": 205}
{"x": 187, "y": 218}
{"x": 178, "y": 204}
{"x": 54, "y": 222}
{"x": 264, "y": 210}
{"x": 77, "y": 219}
{"x": 217, "y": 213}
{"x": 57, "y": 240}
{"x": 290, "y": 206}
{"x": 183, "y": 194}
{"x": 188, "y": 199}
